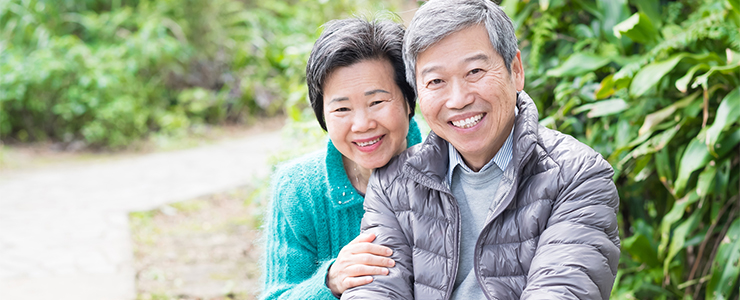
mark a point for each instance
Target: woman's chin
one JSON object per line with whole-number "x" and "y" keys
{"x": 374, "y": 163}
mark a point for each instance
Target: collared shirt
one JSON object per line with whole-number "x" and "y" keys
{"x": 501, "y": 159}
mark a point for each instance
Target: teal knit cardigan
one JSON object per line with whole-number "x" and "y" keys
{"x": 314, "y": 212}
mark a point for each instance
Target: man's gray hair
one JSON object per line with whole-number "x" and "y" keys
{"x": 437, "y": 19}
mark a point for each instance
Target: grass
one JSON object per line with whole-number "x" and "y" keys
{"x": 206, "y": 248}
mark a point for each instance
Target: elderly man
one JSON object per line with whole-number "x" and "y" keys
{"x": 492, "y": 205}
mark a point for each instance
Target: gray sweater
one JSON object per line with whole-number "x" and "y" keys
{"x": 473, "y": 193}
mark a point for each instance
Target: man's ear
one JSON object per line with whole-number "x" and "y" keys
{"x": 517, "y": 71}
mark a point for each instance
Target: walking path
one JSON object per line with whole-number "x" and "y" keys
{"x": 64, "y": 232}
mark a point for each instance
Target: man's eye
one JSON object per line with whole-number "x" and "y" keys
{"x": 434, "y": 82}
{"x": 475, "y": 71}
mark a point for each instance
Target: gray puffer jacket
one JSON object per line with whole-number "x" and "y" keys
{"x": 554, "y": 236}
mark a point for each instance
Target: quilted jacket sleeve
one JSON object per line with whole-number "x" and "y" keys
{"x": 578, "y": 253}
{"x": 380, "y": 219}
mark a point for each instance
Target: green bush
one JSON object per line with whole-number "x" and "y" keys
{"x": 110, "y": 72}
{"x": 654, "y": 86}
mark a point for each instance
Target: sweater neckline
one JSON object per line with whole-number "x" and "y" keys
{"x": 341, "y": 192}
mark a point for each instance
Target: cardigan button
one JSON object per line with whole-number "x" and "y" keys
{"x": 340, "y": 202}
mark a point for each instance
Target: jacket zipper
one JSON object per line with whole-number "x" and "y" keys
{"x": 456, "y": 258}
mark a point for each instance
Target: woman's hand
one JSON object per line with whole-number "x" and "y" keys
{"x": 357, "y": 262}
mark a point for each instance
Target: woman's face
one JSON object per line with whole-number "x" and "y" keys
{"x": 366, "y": 113}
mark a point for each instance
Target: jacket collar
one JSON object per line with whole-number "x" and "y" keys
{"x": 434, "y": 149}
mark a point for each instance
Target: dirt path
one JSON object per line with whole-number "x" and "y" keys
{"x": 65, "y": 230}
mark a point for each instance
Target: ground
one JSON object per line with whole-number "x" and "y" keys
{"x": 206, "y": 248}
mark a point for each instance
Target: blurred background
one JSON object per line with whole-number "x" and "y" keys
{"x": 653, "y": 85}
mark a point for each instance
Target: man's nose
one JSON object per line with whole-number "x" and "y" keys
{"x": 363, "y": 121}
{"x": 459, "y": 96}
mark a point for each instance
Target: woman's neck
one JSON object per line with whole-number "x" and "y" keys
{"x": 358, "y": 176}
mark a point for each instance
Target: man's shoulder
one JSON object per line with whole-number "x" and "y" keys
{"x": 561, "y": 146}
{"x": 395, "y": 166}
{"x": 571, "y": 155}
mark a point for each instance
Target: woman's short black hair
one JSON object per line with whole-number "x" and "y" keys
{"x": 349, "y": 41}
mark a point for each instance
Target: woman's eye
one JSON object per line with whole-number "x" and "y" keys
{"x": 376, "y": 102}
{"x": 342, "y": 109}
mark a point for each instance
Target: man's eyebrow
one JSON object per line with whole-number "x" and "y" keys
{"x": 429, "y": 70}
{"x": 337, "y": 99}
{"x": 376, "y": 91}
{"x": 479, "y": 56}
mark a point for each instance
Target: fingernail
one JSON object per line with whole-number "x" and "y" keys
{"x": 388, "y": 252}
{"x": 391, "y": 262}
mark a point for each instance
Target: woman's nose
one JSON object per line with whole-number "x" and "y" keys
{"x": 363, "y": 121}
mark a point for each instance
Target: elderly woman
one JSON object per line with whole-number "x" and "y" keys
{"x": 358, "y": 91}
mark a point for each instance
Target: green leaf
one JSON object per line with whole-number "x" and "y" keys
{"x": 683, "y": 82}
{"x": 663, "y": 166}
{"x": 509, "y": 7}
{"x": 735, "y": 6}
{"x": 680, "y": 234}
{"x": 726, "y": 265}
{"x": 694, "y": 157}
{"x": 727, "y": 114}
{"x": 579, "y": 63}
{"x": 638, "y": 246}
{"x": 614, "y": 11}
{"x": 544, "y": 4}
{"x": 654, "y": 119}
{"x": 606, "y": 88}
{"x": 638, "y": 28}
{"x": 703, "y": 79}
{"x": 673, "y": 216}
{"x": 728, "y": 143}
{"x": 590, "y": 7}
{"x": 706, "y": 180}
{"x": 652, "y": 145}
{"x": 651, "y": 8}
{"x": 547, "y": 4}
{"x": 602, "y": 108}
{"x": 651, "y": 74}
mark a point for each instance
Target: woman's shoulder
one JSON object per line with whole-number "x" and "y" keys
{"x": 307, "y": 161}
{"x": 300, "y": 180}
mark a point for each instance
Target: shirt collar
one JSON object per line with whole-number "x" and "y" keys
{"x": 501, "y": 159}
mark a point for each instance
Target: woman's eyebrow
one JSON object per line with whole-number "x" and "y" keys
{"x": 337, "y": 99}
{"x": 375, "y": 91}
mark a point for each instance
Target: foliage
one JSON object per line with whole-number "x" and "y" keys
{"x": 109, "y": 72}
{"x": 653, "y": 85}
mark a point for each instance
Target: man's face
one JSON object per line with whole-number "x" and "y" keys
{"x": 466, "y": 94}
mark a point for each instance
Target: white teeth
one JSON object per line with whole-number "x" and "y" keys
{"x": 365, "y": 144}
{"x": 469, "y": 122}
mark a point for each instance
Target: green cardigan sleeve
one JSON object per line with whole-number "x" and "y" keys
{"x": 291, "y": 268}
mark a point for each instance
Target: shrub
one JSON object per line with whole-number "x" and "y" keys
{"x": 653, "y": 86}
